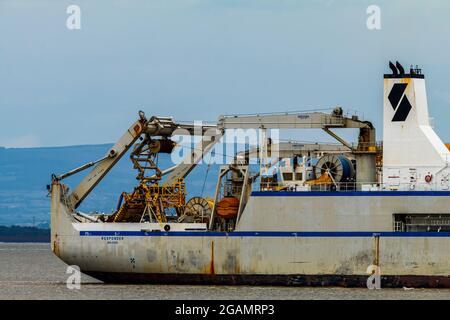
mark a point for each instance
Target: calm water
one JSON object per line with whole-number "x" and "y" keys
{"x": 31, "y": 271}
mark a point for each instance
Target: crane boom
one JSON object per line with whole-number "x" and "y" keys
{"x": 101, "y": 168}
{"x": 304, "y": 120}
{"x": 192, "y": 159}
{"x": 165, "y": 127}
{"x": 292, "y": 148}
{"x": 155, "y": 126}
{"x": 296, "y": 120}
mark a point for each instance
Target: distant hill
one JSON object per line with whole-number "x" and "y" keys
{"x": 25, "y": 172}
{"x": 24, "y": 234}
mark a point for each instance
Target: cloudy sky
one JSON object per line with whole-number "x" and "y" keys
{"x": 197, "y": 59}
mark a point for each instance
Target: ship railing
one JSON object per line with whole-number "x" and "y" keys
{"x": 354, "y": 186}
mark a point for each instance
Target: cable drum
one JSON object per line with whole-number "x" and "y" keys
{"x": 197, "y": 210}
{"x": 338, "y": 166}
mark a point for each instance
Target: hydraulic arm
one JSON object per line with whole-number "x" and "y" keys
{"x": 148, "y": 147}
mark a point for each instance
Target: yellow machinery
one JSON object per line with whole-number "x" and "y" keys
{"x": 324, "y": 179}
{"x": 152, "y": 202}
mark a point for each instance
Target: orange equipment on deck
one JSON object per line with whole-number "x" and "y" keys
{"x": 228, "y": 207}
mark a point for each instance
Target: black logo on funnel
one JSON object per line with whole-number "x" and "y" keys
{"x": 397, "y": 95}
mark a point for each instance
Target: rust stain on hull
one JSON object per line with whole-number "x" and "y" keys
{"x": 56, "y": 246}
{"x": 211, "y": 267}
{"x": 377, "y": 251}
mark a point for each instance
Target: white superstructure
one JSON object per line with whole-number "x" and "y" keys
{"x": 413, "y": 154}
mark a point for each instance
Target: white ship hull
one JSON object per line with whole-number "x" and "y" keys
{"x": 303, "y": 238}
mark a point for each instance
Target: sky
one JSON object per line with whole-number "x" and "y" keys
{"x": 198, "y": 59}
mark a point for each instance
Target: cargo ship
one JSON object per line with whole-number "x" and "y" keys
{"x": 318, "y": 214}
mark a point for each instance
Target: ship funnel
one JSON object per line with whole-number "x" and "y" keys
{"x": 400, "y": 68}
{"x": 393, "y": 68}
{"x": 409, "y": 142}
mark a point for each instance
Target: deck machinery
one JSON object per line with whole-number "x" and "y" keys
{"x": 160, "y": 195}
{"x": 311, "y": 213}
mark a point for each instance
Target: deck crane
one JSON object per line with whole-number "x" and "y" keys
{"x": 165, "y": 188}
{"x": 155, "y": 129}
{"x": 240, "y": 180}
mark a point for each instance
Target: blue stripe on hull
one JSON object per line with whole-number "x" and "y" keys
{"x": 263, "y": 234}
{"x": 350, "y": 193}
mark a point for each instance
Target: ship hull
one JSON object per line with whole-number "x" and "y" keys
{"x": 280, "y": 240}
